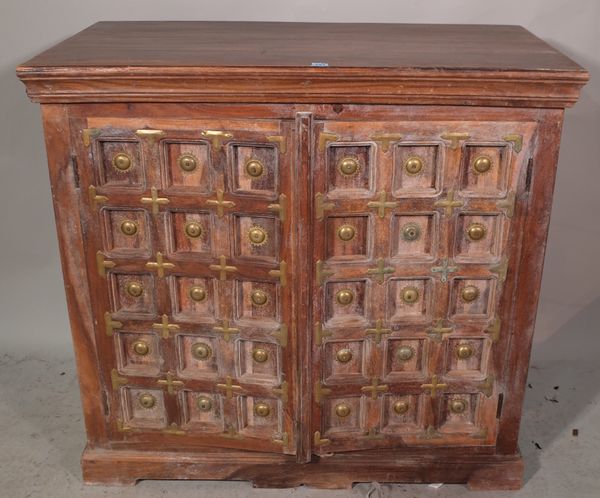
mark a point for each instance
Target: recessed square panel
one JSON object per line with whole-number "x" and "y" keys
{"x": 459, "y": 412}
{"x": 138, "y": 353}
{"x": 143, "y": 408}
{"x": 348, "y": 237}
{"x": 471, "y": 298}
{"x": 349, "y": 169}
{"x": 484, "y": 170}
{"x": 258, "y": 361}
{"x": 188, "y": 168}
{"x": 344, "y": 361}
{"x": 120, "y": 164}
{"x": 409, "y": 299}
{"x": 193, "y": 298}
{"x": 256, "y": 237}
{"x": 466, "y": 356}
{"x": 132, "y": 294}
{"x": 417, "y": 170}
{"x": 127, "y": 232}
{"x": 202, "y": 411}
{"x": 198, "y": 356}
{"x": 405, "y": 358}
{"x": 345, "y": 302}
{"x": 414, "y": 236}
{"x": 344, "y": 415}
{"x": 191, "y": 232}
{"x": 259, "y": 416}
{"x": 401, "y": 413}
{"x": 257, "y": 301}
{"x": 478, "y": 237}
{"x": 255, "y": 170}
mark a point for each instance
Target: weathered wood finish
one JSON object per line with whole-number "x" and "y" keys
{"x": 143, "y": 410}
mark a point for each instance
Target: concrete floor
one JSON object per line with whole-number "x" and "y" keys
{"x": 41, "y": 431}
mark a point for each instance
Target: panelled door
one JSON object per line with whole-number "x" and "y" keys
{"x": 411, "y": 237}
{"x": 188, "y": 233}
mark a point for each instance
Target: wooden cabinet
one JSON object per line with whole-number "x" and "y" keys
{"x": 297, "y": 274}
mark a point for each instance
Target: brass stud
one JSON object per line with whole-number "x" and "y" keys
{"x": 193, "y": 229}
{"x": 464, "y": 351}
{"x": 413, "y": 165}
{"x": 482, "y": 164}
{"x": 201, "y": 351}
{"x": 134, "y": 289}
{"x": 343, "y": 355}
{"x": 405, "y": 353}
{"x": 348, "y": 165}
{"x": 198, "y": 294}
{"x": 187, "y": 162}
{"x": 346, "y": 233}
{"x": 458, "y": 406}
{"x": 469, "y": 293}
{"x": 122, "y": 162}
{"x": 262, "y": 409}
{"x": 342, "y": 410}
{"x": 259, "y": 297}
{"x": 129, "y": 227}
{"x": 141, "y": 348}
{"x": 344, "y": 297}
{"x": 260, "y": 355}
{"x": 204, "y": 404}
{"x": 401, "y": 407}
{"x": 410, "y": 295}
{"x": 411, "y": 232}
{"x": 146, "y": 400}
{"x": 254, "y": 168}
{"x": 476, "y": 231}
{"x": 257, "y": 235}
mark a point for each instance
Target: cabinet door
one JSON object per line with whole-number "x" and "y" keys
{"x": 188, "y": 238}
{"x": 416, "y": 231}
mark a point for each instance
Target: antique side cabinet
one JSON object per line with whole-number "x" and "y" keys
{"x": 302, "y": 253}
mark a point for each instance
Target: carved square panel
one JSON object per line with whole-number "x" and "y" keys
{"x": 348, "y": 237}
{"x": 345, "y": 302}
{"x": 401, "y": 413}
{"x": 405, "y": 358}
{"x": 459, "y": 413}
{"x": 257, "y": 301}
{"x": 349, "y": 169}
{"x": 259, "y": 416}
{"x": 127, "y": 232}
{"x": 344, "y": 361}
{"x": 344, "y": 415}
{"x": 193, "y": 298}
{"x": 256, "y": 237}
{"x": 138, "y": 353}
{"x": 188, "y": 167}
{"x": 417, "y": 170}
{"x": 255, "y": 170}
{"x": 472, "y": 298}
{"x": 484, "y": 170}
{"x": 132, "y": 295}
{"x": 466, "y": 356}
{"x": 191, "y": 232}
{"x": 202, "y": 411}
{"x": 415, "y": 236}
{"x": 198, "y": 356}
{"x": 258, "y": 361}
{"x": 409, "y": 299}
{"x": 478, "y": 237}
{"x": 143, "y": 408}
{"x": 120, "y": 164}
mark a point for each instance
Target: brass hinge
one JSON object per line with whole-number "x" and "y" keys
{"x": 517, "y": 141}
{"x": 103, "y": 265}
{"x": 320, "y": 333}
{"x": 455, "y": 138}
{"x": 281, "y": 334}
{"x": 279, "y": 139}
{"x": 281, "y": 274}
{"x": 280, "y": 207}
{"x": 321, "y": 206}
{"x": 325, "y": 138}
{"x": 111, "y": 324}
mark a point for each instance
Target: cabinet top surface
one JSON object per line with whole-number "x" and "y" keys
{"x": 297, "y": 45}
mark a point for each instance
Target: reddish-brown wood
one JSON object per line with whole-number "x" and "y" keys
{"x": 259, "y": 130}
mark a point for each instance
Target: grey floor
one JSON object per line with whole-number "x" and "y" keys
{"x": 41, "y": 433}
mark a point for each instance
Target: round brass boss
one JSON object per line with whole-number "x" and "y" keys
{"x": 259, "y": 297}
{"x": 405, "y": 353}
{"x": 141, "y": 348}
{"x": 458, "y": 406}
{"x": 122, "y": 161}
{"x": 187, "y": 162}
{"x": 342, "y": 410}
{"x": 344, "y": 355}
{"x": 201, "y": 351}
{"x": 476, "y": 231}
{"x": 413, "y": 165}
{"x": 344, "y": 297}
{"x": 254, "y": 168}
{"x": 464, "y": 351}
{"x": 257, "y": 235}
{"x": 198, "y": 294}
{"x": 262, "y": 409}
{"x": 411, "y": 232}
{"x": 346, "y": 233}
{"x": 401, "y": 407}
{"x": 134, "y": 289}
{"x": 204, "y": 404}
{"x": 129, "y": 227}
{"x": 147, "y": 401}
{"x": 348, "y": 165}
{"x": 260, "y": 355}
{"x": 469, "y": 293}
{"x": 193, "y": 229}
{"x": 410, "y": 295}
{"x": 482, "y": 164}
